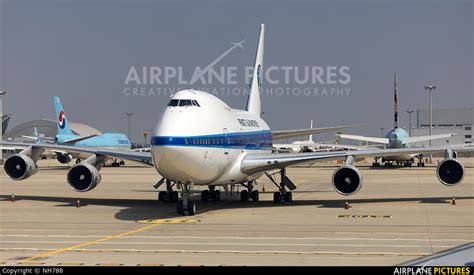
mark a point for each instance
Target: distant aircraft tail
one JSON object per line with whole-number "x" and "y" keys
{"x": 254, "y": 103}
{"x": 62, "y": 122}
{"x": 395, "y": 102}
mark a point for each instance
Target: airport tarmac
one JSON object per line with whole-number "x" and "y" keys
{"x": 400, "y": 214}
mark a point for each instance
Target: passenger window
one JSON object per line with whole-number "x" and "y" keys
{"x": 173, "y": 103}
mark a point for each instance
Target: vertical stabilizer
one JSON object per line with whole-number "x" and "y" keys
{"x": 254, "y": 103}
{"x": 62, "y": 122}
{"x": 395, "y": 102}
{"x": 311, "y": 135}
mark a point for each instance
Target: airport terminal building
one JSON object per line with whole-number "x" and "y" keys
{"x": 458, "y": 121}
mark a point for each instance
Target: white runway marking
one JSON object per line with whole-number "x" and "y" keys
{"x": 233, "y": 244}
{"x": 240, "y": 238}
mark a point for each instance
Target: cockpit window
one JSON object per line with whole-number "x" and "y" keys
{"x": 173, "y": 102}
{"x": 184, "y": 102}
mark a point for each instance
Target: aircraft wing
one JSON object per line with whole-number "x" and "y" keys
{"x": 257, "y": 163}
{"x": 143, "y": 157}
{"x": 281, "y": 134}
{"x": 426, "y": 138}
{"x": 364, "y": 138}
{"x": 73, "y": 140}
{"x": 317, "y": 145}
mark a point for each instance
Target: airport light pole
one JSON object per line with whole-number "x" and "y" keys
{"x": 149, "y": 132}
{"x": 430, "y": 90}
{"x": 382, "y": 130}
{"x": 2, "y": 93}
{"x": 409, "y": 121}
{"x": 129, "y": 119}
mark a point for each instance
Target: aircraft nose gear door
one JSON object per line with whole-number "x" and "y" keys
{"x": 226, "y": 142}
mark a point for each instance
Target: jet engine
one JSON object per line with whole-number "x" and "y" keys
{"x": 347, "y": 180}
{"x": 20, "y": 167}
{"x": 83, "y": 177}
{"x": 450, "y": 171}
{"x": 64, "y": 158}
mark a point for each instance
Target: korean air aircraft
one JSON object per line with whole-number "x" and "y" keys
{"x": 200, "y": 140}
{"x": 396, "y": 138}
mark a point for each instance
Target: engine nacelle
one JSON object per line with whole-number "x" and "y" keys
{"x": 64, "y": 158}
{"x": 83, "y": 177}
{"x": 347, "y": 180}
{"x": 20, "y": 167}
{"x": 450, "y": 172}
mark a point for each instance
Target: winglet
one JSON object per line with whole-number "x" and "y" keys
{"x": 254, "y": 103}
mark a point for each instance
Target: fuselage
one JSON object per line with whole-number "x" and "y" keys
{"x": 395, "y": 138}
{"x": 200, "y": 139}
{"x": 107, "y": 140}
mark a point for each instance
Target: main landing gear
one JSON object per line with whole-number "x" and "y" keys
{"x": 421, "y": 161}
{"x": 282, "y": 195}
{"x": 249, "y": 194}
{"x": 211, "y": 194}
{"x": 169, "y": 195}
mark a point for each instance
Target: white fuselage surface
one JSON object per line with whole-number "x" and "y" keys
{"x": 200, "y": 139}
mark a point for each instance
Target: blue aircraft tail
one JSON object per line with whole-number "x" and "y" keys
{"x": 62, "y": 122}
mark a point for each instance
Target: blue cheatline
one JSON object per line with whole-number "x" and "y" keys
{"x": 260, "y": 140}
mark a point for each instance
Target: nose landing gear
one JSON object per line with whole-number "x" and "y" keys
{"x": 185, "y": 204}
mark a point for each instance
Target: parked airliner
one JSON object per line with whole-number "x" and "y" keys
{"x": 396, "y": 138}
{"x": 200, "y": 140}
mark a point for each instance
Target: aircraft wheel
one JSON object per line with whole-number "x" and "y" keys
{"x": 191, "y": 208}
{"x": 162, "y": 196}
{"x": 244, "y": 195}
{"x": 180, "y": 208}
{"x": 254, "y": 196}
{"x": 216, "y": 195}
{"x": 276, "y": 197}
{"x": 288, "y": 197}
{"x": 205, "y": 195}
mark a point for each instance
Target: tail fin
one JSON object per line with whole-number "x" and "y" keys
{"x": 311, "y": 135}
{"x": 395, "y": 102}
{"x": 36, "y": 134}
{"x": 254, "y": 103}
{"x": 63, "y": 123}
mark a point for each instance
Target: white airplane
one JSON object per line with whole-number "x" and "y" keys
{"x": 305, "y": 146}
{"x": 200, "y": 140}
{"x": 396, "y": 138}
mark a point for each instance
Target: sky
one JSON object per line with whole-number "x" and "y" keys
{"x": 83, "y": 51}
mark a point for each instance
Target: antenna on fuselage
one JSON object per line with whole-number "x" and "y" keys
{"x": 254, "y": 103}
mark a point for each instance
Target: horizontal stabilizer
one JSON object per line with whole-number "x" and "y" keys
{"x": 426, "y": 138}
{"x": 364, "y": 138}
